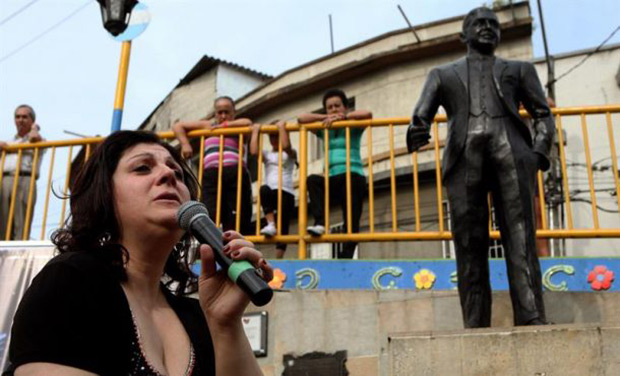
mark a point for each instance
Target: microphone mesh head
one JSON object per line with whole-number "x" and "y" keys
{"x": 187, "y": 211}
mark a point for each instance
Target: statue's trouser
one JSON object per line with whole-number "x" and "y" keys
{"x": 495, "y": 158}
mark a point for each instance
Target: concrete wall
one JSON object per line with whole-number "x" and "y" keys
{"x": 188, "y": 102}
{"x": 592, "y": 84}
{"x": 392, "y": 41}
{"x": 361, "y": 322}
{"x": 234, "y": 83}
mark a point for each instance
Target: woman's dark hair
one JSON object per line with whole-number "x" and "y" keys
{"x": 93, "y": 226}
{"x": 225, "y": 97}
{"x": 335, "y": 93}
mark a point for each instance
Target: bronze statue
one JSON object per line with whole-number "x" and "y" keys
{"x": 489, "y": 148}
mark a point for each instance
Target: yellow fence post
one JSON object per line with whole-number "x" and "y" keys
{"x": 347, "y": 138}
{"x": 47, "y": 192}
{"x": 371, "y": 184}
{"x": 303, "y": 205}
{"x": 9, "y": 224}
{"x": 393, "y": 181}
{"x": 259, "y": 180}
{"x": 31, "y": 189}
{"x": 569, "y": 212}
{"x": 438, "y": 177}
{"x": 614, "y": 158}
{"x": 586, "y": 143}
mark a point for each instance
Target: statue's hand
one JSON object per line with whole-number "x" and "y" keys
{"x": 417, "y": 136}
{"x": 542, "y": 162}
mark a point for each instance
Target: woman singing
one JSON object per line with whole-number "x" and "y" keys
{"x": 112, "y": 302}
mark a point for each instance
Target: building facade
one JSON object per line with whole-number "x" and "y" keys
{"x": 385, "y": 75}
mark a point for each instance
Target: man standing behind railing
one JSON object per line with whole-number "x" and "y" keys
{"x": 27, "y": 132}
{"x": 335, "y": 104}
{"x": 489, "y": 148}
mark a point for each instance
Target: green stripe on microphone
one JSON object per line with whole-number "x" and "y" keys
{"x": 237, "y": 268}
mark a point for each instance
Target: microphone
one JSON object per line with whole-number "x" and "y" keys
{"x": 194, "y": 217}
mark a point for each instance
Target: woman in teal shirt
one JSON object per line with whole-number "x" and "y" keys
{"x": 335, "y": 105}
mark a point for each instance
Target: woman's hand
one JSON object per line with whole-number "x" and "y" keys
{"x": 186, "y": 151}
{"x": 332, "y": 118}
{"x": 222, "y": 301}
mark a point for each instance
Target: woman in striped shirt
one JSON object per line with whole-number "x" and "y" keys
{"x": 224, "y": 117}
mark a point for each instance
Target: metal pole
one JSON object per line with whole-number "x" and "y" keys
{"x": 408, "y": 23}
{"x": 121, "y": 85}
{"x": 75, "y": 134}
{"x": 331, "y": 32}
{"x": 550, "y": 73}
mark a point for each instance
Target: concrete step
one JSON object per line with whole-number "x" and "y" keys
{"x": 360, "y": 321}
{"x": 552, "y": 350}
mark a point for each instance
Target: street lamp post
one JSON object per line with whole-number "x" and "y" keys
{"x": 115, "y": 16}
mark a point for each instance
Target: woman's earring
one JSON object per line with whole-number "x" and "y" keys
{"x": 104, "y": 239}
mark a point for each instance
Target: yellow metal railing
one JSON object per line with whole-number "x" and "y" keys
{"x": 579, "y": 147}
{"x": 52, "y": 197}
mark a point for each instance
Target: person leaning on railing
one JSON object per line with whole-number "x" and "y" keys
{"x": 27, "y": 132}
{"x": 224, "y": 117}
{"x": 269, "y": 190}
{"x": 335, "y": 104}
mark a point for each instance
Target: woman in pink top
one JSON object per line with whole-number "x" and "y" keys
{"x": 224, "y": 116}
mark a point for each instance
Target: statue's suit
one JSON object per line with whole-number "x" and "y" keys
{"x": 496, "y": 153}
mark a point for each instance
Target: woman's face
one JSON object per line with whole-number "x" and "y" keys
{"x": 274, "y": 141}
{"x": 224, "y": 110}
{"x": 148, "y": 189}
{"x": 334, "y": 105}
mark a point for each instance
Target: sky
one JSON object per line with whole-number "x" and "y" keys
{"x": 69, "y": 73}
{"x": 56, "y": 56}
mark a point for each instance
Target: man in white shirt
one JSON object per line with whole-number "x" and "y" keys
{"x": 27, "y": 132}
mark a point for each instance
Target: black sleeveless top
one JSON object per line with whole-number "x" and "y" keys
{"x": 76, "y": 314}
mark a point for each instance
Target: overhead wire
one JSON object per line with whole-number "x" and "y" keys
{"x": 606, "y": 210}
{"x": 42, "y": 34}
{"x": 14, "y": 14}
{"x": 585, "y": 57}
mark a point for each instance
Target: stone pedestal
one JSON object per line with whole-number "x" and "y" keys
{"x": 553, "y": 350}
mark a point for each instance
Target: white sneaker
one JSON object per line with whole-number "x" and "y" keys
{"x": 269, "y": 230}
{"x": 316, "y": 230}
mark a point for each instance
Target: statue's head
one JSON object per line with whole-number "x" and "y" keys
{"x": 481, "y": 30}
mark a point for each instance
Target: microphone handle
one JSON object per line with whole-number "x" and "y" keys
{"x": 242, "y": 272}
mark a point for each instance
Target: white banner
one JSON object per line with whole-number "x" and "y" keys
{"x": 19, "y": 264}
